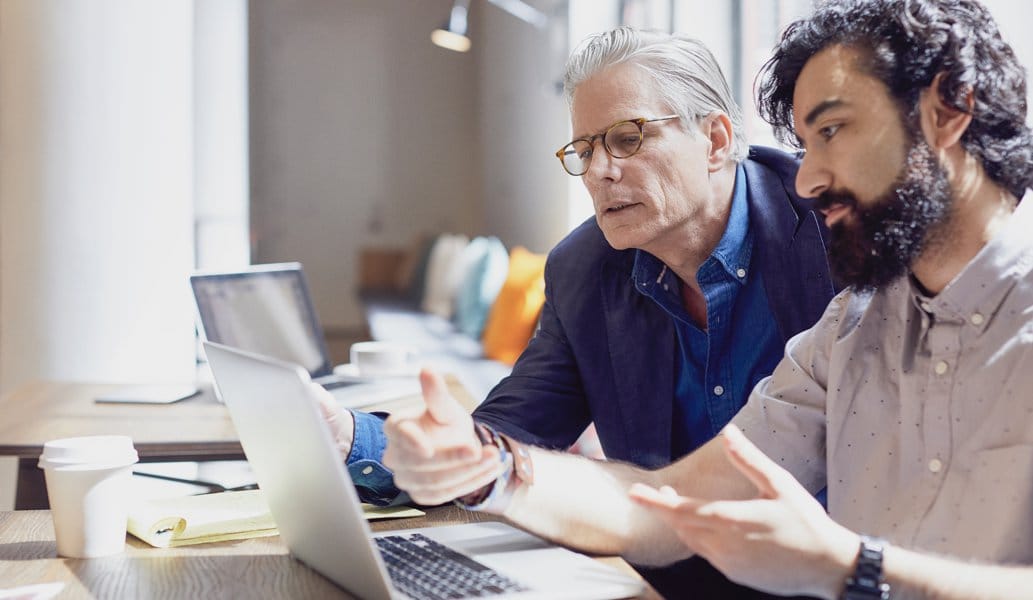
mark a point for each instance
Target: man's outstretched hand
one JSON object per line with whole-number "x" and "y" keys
{"x": 434, "y": 452}
{"x": 782, "y": 541}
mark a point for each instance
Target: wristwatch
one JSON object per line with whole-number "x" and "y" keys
{"x": 866, "y": 582}
{"x": 517, "y": 470}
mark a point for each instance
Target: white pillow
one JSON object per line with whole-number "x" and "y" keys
{"x": 440, "y": 288}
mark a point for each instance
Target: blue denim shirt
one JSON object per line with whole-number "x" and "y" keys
{"x": 741, "y": 343}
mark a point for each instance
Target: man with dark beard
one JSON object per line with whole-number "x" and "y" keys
{"x": 881, "y": 240}
{"x": 910, "y": 396}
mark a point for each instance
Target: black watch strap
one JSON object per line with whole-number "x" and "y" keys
{"x": 866, "y": 582}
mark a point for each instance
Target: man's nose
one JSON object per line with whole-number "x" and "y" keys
{"x": 813, "y": 178}
{"x": 602, "y": 167}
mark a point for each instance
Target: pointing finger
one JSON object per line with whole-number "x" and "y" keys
{"x": 441, "y": 406}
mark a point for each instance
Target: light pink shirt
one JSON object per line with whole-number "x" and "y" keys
{"x": 918, "y": 411}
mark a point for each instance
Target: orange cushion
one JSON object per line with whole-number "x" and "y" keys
{"x": 514, "y": 314}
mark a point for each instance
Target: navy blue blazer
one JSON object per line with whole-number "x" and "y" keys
{"x": 606, "y": 353}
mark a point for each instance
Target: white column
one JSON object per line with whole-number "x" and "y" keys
{"x": 96, "y": 185}
{"x": 221, "y": 134}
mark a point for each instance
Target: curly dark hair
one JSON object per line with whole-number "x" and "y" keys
{"x": 905, "y": 44}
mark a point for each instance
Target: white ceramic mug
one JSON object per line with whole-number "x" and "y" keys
{"x": 88, "y": 484}
{"x": 373, "y": 359}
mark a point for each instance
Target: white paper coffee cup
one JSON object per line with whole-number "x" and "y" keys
{"x": 372, "y": 359}
{"x": 88, "y": 484}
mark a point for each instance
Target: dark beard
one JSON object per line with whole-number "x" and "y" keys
{"x": 876, "y": 244}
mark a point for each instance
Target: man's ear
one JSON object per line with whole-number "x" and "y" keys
{"x": 943, "y": 125}
{"x": 717, "y": 127}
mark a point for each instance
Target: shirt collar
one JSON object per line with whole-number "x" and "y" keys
{"x": 979, "y": 289}
{"x": 732, "y": 253}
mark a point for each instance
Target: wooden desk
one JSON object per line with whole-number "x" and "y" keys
{"x": 256, "y": 568}
{"x": 198, "y": 428}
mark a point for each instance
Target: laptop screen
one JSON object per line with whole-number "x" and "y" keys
{"x": 265, "y": 309}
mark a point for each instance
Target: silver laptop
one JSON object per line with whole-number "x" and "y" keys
{"x": 266, "y": 309}
{"x": 315, "y": 506}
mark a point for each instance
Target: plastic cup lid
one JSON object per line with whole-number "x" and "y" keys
{"x": 94, "y": 451}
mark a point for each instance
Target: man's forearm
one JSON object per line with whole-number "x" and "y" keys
{"x": 915, "y": 575}
{"x": 584, "y": 503}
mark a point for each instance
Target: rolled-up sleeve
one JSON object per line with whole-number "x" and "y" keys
{"x": 373, "y": 481}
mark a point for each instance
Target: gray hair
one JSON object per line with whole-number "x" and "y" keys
{"x": 686, "y": 74}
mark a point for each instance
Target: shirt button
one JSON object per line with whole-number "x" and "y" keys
{"x": 367, "y": 470}
{"x": 976, "y": 318}
{"x": 941, "y": 367}
{"x": 927, "y": 307}
{"x": 935, "y": 465}
{"x": 741, "y": 273}
{"x": 718, "y": 390}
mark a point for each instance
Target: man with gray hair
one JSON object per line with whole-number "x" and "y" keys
{"x": 664, "y": 309}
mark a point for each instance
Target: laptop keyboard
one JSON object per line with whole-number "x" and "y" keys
{"x": 424, "y": 569}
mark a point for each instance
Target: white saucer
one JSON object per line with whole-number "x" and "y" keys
{"x": 349, "y": 371}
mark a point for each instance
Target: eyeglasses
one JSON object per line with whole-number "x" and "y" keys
{"x": 621, "y": 140}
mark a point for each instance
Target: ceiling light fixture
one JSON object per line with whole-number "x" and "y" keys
{"x": 453, "y": 35}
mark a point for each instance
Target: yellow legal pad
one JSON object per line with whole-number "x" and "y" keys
{"x": 171, "y": 522}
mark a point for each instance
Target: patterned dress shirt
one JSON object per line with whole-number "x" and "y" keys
{"x": 918, "y": 410}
